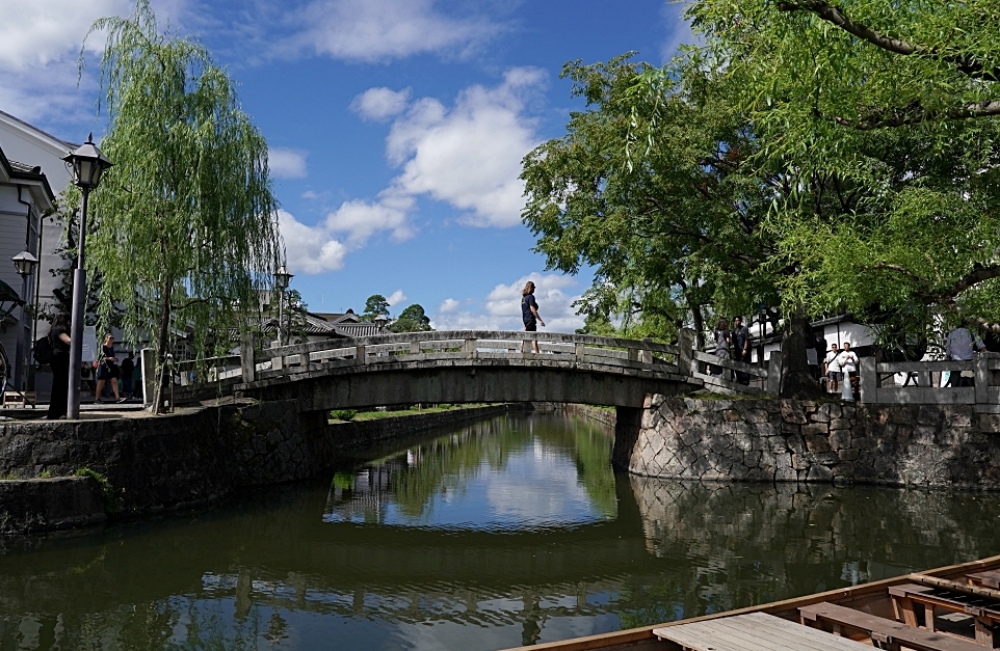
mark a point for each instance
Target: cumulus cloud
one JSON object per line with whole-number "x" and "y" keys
{"x": 310, "y": 249}
{"x": 396, "y": 297}
{"x": 469, "y": 155}
{"x": 362, "y": 30}
{"x": 380, "y": 103}
{"x": 678, "y": 30}
{"x": 287, "y": 163}
{"x": 502, "y": 307}
{"x": 39, "y": 44}
{"x": 359, "y": 220}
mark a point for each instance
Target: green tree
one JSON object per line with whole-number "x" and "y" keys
{"x": 186, "y": 231}
{"x": 375, "y": 306}
{"x": 894, "y": 104}
{"x": 412, "y": 319}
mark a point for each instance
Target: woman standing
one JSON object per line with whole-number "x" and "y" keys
{"x": 722, "y": 342}
{"x": 108, "y": 370}
{"x": 59, "y": 341}
{"x": 529, "y": 313}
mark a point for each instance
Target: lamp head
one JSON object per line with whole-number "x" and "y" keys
{"x": 87, "y": 164}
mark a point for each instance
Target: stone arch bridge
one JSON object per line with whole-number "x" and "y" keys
{"x": 461, "y": 367}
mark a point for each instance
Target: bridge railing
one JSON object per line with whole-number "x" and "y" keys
{"x": 474, "y": 344}
{"x": 877, "y": 382}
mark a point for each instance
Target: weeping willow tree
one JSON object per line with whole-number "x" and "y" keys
{"x": 185, "y": 232}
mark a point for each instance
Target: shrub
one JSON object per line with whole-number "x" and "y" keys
{"x": 343, "y": 414}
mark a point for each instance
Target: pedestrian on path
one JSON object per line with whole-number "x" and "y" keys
{"x": 722, "y": 341}
{"x": 529, "y": 313}
{"x": 961, "y": 346}
{"x": 741, "y": 347}
{"x": 59, "y": 340}
{"x": 107, "y": 369}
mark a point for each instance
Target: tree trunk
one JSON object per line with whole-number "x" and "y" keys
{"x": 162, "y": 343}
{"x": 796, "y": 379}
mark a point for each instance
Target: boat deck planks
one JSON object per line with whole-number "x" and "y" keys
{"x": 754, "y": 632}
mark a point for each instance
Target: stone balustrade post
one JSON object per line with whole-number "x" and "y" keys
{"x": 868, "y": 380}
{"x": 248, "y": 365}
{"x": 415, "y": 347}
{"x": 360, "y": 356}
{"x": 774, "y": 374}
{"x": 581, "y": 352}
{"x": 981, "y": 368}
{"x": 469, "y": 348}
{"x": 685, "y": 356}
{"x": 646, "y": 355}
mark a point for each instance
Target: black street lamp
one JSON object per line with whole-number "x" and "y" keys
{"x": 87, "y": 164}
{"x": 281, "y": 280}
{"x": 25, "y": 264}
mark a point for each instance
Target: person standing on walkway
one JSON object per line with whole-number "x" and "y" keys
{"x": 529, "y": 313}
{"x": 848, "y": 362}
{"x": 960, "y": 347}
{"x": 59, "y": 341}
{"x": 107, "y": 370}
{"x": 832, "y": 366}
{"x": 741, "y": 347}
{"x": 722, "y": 341}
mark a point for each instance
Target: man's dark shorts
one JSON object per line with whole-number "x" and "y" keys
{"x": 531, "y": 327}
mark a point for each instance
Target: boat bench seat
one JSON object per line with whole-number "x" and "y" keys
{"x": 884, "y": 633}
{"x": 985, "y": 612}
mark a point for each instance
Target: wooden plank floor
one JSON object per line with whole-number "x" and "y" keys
{"x": 755, "y": 632}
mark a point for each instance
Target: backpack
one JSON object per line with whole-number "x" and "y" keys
{"x": 42, "y": 350}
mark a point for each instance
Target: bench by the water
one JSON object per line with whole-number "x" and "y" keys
{"x": 753, "y": 632}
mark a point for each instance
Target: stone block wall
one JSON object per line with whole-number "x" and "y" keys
{"x": 796, "y": 441}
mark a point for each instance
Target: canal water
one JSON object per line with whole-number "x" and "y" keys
{"x": 507, "y": 532}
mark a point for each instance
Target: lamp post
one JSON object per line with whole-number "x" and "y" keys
{"x": 25, "y": 264}
{"x": 281, "y": 280}
{"x": 382, "y": 321}
{"x": 87, "y": 164}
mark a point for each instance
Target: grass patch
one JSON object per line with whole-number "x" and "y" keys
{"x": 107, "y": 490}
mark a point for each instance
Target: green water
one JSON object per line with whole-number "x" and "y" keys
{"x": 508, "y": 532}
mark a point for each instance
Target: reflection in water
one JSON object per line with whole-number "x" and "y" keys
{"x": 493, "y": 475}
{"x": 509, "y": 532}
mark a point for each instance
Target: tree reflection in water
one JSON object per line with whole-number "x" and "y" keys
{"x": 412, "y": 552}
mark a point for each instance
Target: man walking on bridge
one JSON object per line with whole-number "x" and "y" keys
{"x": 529, "y": 313}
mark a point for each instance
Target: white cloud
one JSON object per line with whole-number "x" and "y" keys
{"x": 380, "y": 103}
{"x": 363, "y": 30}
{"x": 362, "y": 219}
{"x": 287, "y": 163}
{"x": 309, "y": 249}
{"x": 678, "y": 29}
{"x": 396, "y": 297}
{"x": 39, "y": 45}
{"x": 469, "y": 155}
{"x": 502, "y": 307}
{"x": 310, "y": 194}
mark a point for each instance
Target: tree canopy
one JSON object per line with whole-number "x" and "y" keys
{"x": 412, "y": 319}
{"x": 376, "y": 306}
{"x": 185, "y": 232}
{"x": 813, "y": 158}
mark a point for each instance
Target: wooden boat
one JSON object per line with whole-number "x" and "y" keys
{"x": 953, "y": 608}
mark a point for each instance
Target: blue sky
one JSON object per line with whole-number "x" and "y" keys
{"x": 396, "y": 128}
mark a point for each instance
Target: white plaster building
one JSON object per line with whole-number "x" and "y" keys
{"x": 25, "y": 197}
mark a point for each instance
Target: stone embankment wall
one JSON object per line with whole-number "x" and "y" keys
{"x": 175, "y": 461}
{"x": 933, "y": 446}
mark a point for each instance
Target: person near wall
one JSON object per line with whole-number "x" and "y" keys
{"x": 108, "y": 369}
{"x": 741, "y": 347}
{"x": 960, "y": 347}
{"x": 722, "y": 341}
{"x": 529, "y": 313}
{"x": 59, "y": 340}
{"x": 848, "y": 362}
{"x": 833, "y": 366}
